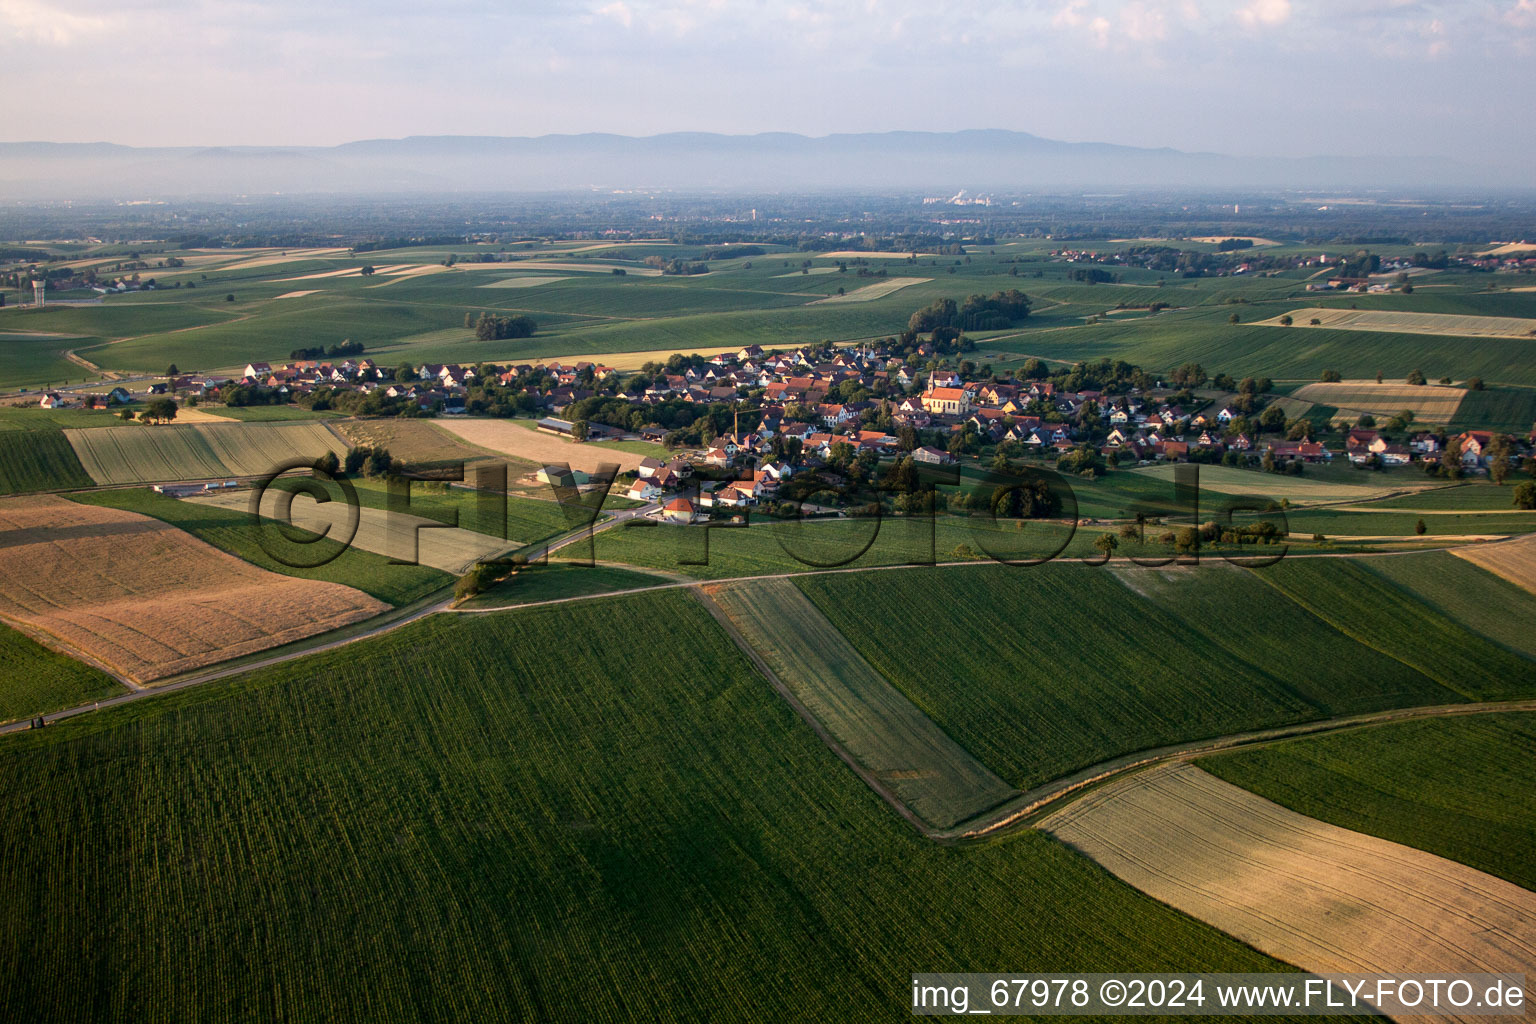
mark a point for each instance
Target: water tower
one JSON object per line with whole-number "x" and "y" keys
{"x": 37, "y": 292}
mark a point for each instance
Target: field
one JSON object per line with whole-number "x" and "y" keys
{"x": 1466, "y": 497}
{"x": 1456, "y": 787}
{"x": 890, "y": 738}
{"x": 768, "y": 546}
{"x": 514, "y": 439}
{"x": 1379, "y": 615}
{"x": 1312, "y": 894}
{"x": 1411, "y": 323}
{"x": 147, "y": 600}
{"x": 1508, "y": 409}
{"x": 1430, "y": 402}
{"x": 419, "y": 442}
{"x": 397, "y": 536}
{"x": 34, "y": 679}
{"x": 202, "y": 451}
{"x": 1473, "y": 597}
{"x": 1514, "y": 560}
{"x": 1228, "y": 480}
{"x": 38, "y": 460}
{"x": 871, "y": 292}
{"x": 528, "y": 835}
{"x": 1044, "y": 670}
{"x": 231, "y": 532}
{"x": 1395, "y": 522}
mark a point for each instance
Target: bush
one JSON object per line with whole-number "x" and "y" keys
{"x": 1525, "y": 495}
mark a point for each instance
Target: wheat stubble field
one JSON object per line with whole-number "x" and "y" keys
{"x": 145, "y": 599}
{"x": 1312, "y": 894}
{"x": 1398, "y": 322}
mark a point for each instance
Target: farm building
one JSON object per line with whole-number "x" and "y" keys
{"x": 562, "y": 476}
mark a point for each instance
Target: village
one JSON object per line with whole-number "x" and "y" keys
{"x": 738, "y": 424}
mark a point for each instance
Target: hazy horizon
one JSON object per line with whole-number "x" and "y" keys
{"x": 1260, "y": 78}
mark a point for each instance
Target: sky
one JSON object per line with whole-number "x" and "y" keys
{"x": 1245, "y": 77}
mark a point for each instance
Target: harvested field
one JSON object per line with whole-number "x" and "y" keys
{"x": 849, "y": 254}
{"x": 1312, "y": 894}
{"x": 630, "y": 270}
{"x": 1430, "y": 402}
{"x": 1216, "y": 239}
{"x": 936, "y": 778}
{"x": 1450, "y": 324}
{"x": 253, "y": 449}
{"x": 273, "y": 259}
{"x": 147, "y": 600}
{"x": 297, "y": 295}
{"x": 527, "y": 281}
{"x": 515, "y": 439}
{"x": 1514, "y": 560}
{"x": 870, "y": 292}
{"x": 808, "y": 271}
{"x": 403, "y": 538}
{"x": 197, "y": 451}
{"x": 418, "y": 442}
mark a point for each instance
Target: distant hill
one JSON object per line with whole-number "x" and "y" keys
{"x": 890, "y": 161}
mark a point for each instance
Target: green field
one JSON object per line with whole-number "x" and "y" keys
{"x": 1469, "y": 497}
{"x": 1044, "y": 670}
{"x": 1457, "y": 787}
{"x": 1467, "y": 594}
{"x": 1378, "y": 614}
{"x": 38, "y": 460}
{"x": 524, "y": 836}
{"x": 1403, "y": 523}
{"x": 1508, "y": 409}
{"x": 197, "y": 451}
{"x": 766, "y": 547}
{"x": 34, "y": 679}
{"x": 889, "y": 737}
{"x": 527, "y": 520}
{"x": 231, "y": 531}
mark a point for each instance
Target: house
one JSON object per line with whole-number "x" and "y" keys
{"x": 678, "y": 510}
{"x": 1474, "y": 446}
{"x": 643, "y": 490}
{"x": 649, "y": 467}
{"x": 258, "y": 369}
{"x": 932, "y": 456}
{"x": 53, "y": 400}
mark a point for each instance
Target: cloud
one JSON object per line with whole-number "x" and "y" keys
{"x": 1265, "y": 13}
{"x": 618, "y": 11}
{"x": 35, "y": 22}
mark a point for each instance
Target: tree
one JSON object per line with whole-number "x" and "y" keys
{"x": 159, "y": 410}
{"x": 1286, "y": 321}
{"x": 1234, "y": 319}
{"x": 1450, "y": 459}
{"x": 367, "y": 270}
{"x": 230, "y": 297}
{"x": 1499, "y": 463}
{"x": 1106, "y": 543}
{"x": 1416, "y": 377}
{"x": 1332, "y": 376}
{"x": 580, "y": 430}
{"x": 1273, "y": 418}
{"x": 328, "y": 464}
{"x": 1525, "y": 495}
{"x": 126, "y": 415}
{"x": 171, "y": 371}
{"x": 1475, "y": 384}
{"x": 356, "y": 457}
{"x": 405, "y": 372}
{"x": 1419, "y": 527}
{"x": 379, "y": 462}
